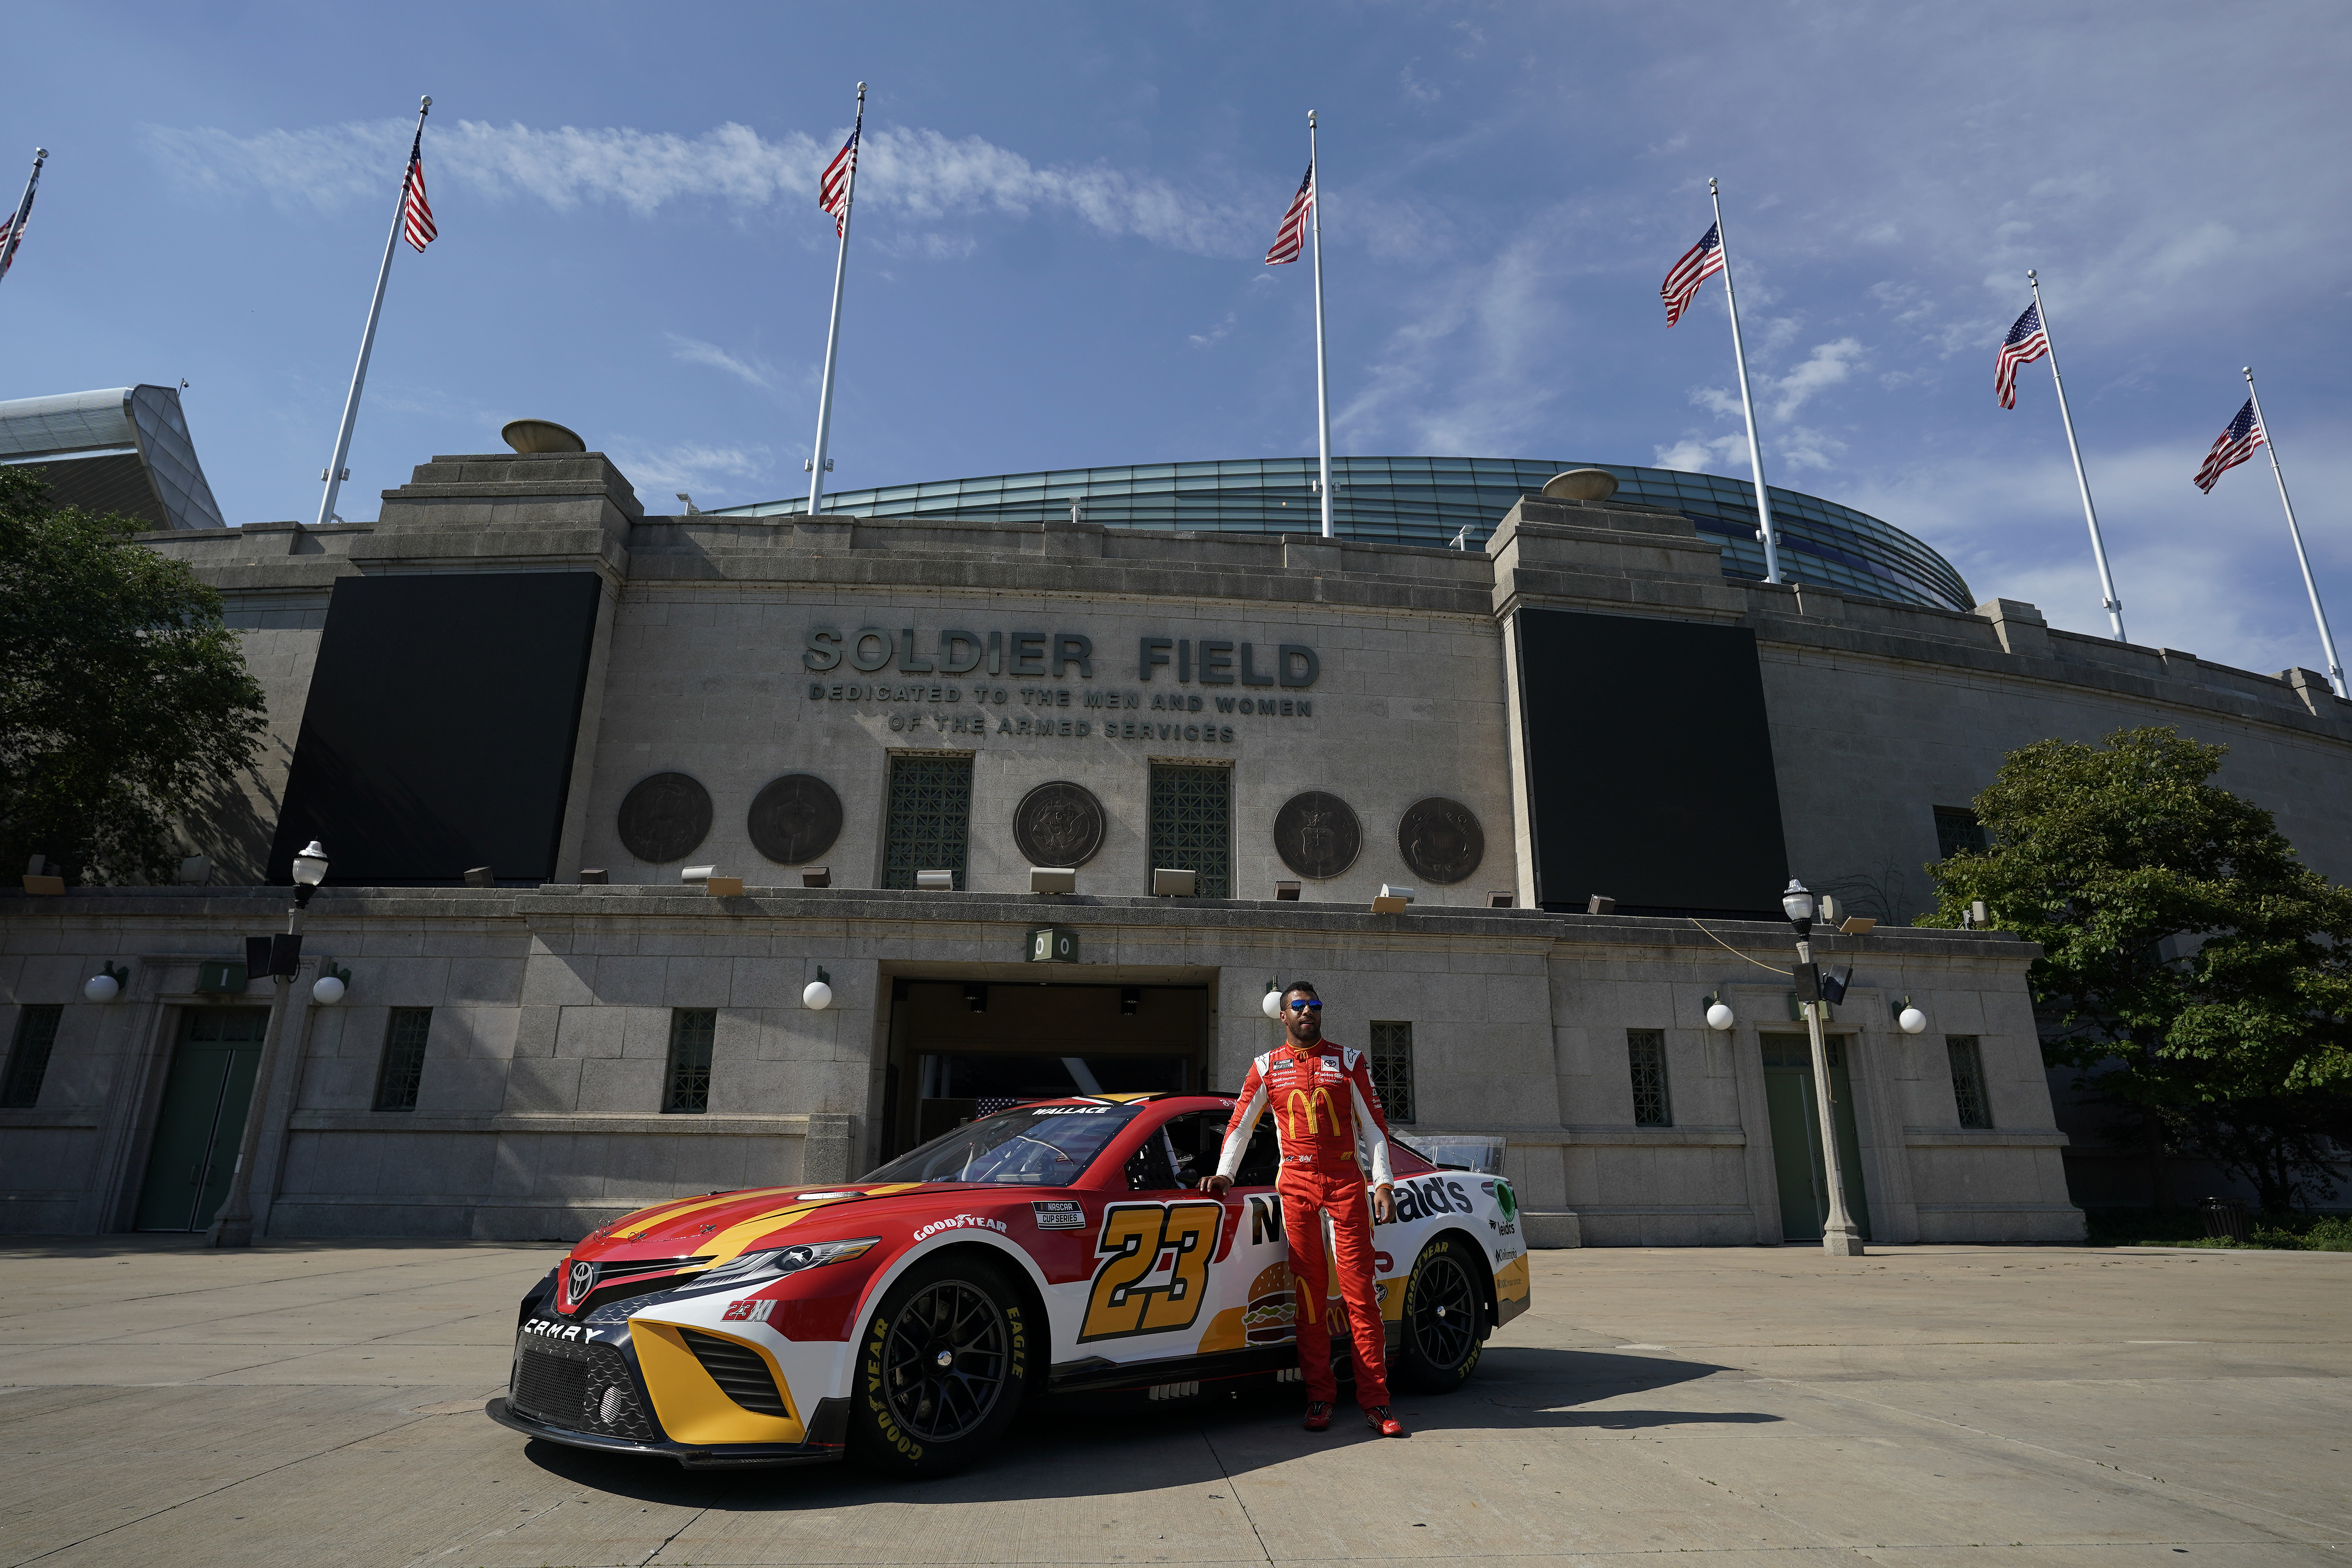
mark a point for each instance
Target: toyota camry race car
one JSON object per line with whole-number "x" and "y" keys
{"x": 1058, "y": 1247}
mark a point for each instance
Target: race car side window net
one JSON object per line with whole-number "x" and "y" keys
{"x": 1033, "y": 1145}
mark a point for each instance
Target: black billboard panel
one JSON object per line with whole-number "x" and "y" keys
{"x": 1649, "y": 762}
{"x": 439, "y": 731}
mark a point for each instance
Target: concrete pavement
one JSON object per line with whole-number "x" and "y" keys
{"x": 301, "y": 1405}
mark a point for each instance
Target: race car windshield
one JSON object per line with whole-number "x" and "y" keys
{"x": 1035, "y": 1146}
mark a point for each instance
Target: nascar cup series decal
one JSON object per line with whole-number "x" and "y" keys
{"x": 1059, "y": 1214}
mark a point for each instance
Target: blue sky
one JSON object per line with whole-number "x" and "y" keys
{"x": 1062, "y": 210}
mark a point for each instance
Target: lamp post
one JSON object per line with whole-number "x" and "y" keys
{"x": 233, "y": 1226}
{"x": 1839, "y": 1237}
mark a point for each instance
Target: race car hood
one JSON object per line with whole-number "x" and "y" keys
{"x": 719, "y": 1226}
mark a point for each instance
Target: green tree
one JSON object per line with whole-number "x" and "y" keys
{"x": 123, "y": 698}
{"x": 2195, "y": 972}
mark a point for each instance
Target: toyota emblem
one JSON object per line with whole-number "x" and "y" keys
{"x": 583, "y": 1278}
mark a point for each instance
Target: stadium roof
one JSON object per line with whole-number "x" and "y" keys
{"x": 121, "y": 449}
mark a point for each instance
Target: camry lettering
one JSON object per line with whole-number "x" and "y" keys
{"x": 546, "y": 1330}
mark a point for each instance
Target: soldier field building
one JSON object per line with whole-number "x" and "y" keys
{"x": 1047, "y": 779}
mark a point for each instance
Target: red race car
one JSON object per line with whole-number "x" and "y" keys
{"x": 1060, "y": 1246}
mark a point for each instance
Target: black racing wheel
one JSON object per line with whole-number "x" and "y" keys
{"x": 942, "y": 1367}
{"x": 1445, "y": 1320}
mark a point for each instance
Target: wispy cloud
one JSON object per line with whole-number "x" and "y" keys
{"x": 919, "y": 173}
{"x": 688, "y": 466}
{"x": 694, "y": 350}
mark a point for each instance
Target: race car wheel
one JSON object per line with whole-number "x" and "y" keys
{"x": 942, "y": 1367}
{"x": 1443, "y": 1314}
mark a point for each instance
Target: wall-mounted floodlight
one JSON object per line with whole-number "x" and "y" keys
{"x": 480, "y": 877}
{"x": 1979, "y": 917}
{"x": 1857, "y": 925}
{"x": 816, "y": 876}
{"x": 1053, "y": 878}
{"x": 1392, "y": 899}
{"x": 196, "y": 870}
{"x": 935, "y": 881}
{"x": 1174, "y": 882}
{"x": 697, "y": 873}
{"x": 1599, "y": 904}
{"x": 595, "y": 877}
{"x": 1829, "y": 911}
{"x": 1271, "y": 1003}
{"x": 723, "y": 886}
{"x": 106, "y": 985}
{"x": 1719, "y": 1017}
{"x": 817, "y": 994}
{"x": 332, "y": 983}
{"x": 1286, "y": 892}
{"x": 1910, "y": 1020}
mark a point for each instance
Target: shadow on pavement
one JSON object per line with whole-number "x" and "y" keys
{"x": 1074, "y": 1447}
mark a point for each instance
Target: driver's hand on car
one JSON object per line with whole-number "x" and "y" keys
{"x": 1383, "y": 1203}
{"x": 1215, "y": 1182}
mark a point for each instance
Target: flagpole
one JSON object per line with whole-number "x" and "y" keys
{"x": 2310, "y": 584}
{"x": 1322, "y": 377}
{"x": 1746, "y": 404}
{"x": 24, "y": 204}
{"x": 2114, "y": 605}
{"x": 333, "y": 477}
{"x": 833, "y": 329}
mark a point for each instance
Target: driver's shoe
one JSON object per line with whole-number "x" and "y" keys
{"x": 1379, "y": 1420}
{"x": 1319, "y": 1416}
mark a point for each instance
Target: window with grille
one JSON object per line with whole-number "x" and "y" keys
{"x": 402, "y": 1070}
{"x": 691, "y": 1031}
{"x": 1957, "y": 828}
{"x": 1192, "y": 827}
{"x": 1968, "y": 1080}
{"x": 29, "y": 1056}
{"x": 1391, "y": 1062}
{"x": 1645, "y": 1051}
{"x": 930, "y": 818}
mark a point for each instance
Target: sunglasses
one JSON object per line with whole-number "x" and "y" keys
{"x": 1305, "y": 1005}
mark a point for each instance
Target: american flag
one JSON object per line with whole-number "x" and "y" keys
{"x": 1699, "y": 263}
{"x": 832, "y": 191}
{"x": 12, "y": 228}
{"x": 415, "y": 213}
{"x": 2236, "y": 444}
{"x": 2025, "y": 343}
{"x": 1291, "y": 237}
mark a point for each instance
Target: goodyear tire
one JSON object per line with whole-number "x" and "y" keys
{"x": 1445, "y": 1320}
{"x": 942, "y": 1365}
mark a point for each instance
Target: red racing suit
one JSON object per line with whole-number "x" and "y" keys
{"x": 1327, "y": 1118}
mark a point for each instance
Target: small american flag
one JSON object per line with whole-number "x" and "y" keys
{"x": 2025, "y": 343}
{"x": 2236, "y": 444}
{"x": 1699, "y": 263}
{"x": 832, "y": 191}
{"x": 12, "y": 228}
{"x": 415, "y": 213}
{"x": 1291, "y": 237}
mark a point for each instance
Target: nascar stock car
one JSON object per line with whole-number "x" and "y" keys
{"x": 1055, "y": 1247}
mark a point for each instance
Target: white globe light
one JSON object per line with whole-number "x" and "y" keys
{"x": 816, "y": 995}
{"x": 1271, "y": 1004}
{"x": 327, "y": 990}
{"x": 1913, "y": 1020}
{"x": 1719, "y": 1017}
{"x": 102, "y": 988}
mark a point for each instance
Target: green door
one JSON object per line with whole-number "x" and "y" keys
{"x": 1797, "y": 1136}
{"x": 203, "y": 1117}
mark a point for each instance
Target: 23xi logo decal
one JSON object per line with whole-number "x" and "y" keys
{"x": 1155, "y": 1271}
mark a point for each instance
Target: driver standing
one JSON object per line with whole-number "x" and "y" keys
{"x": 1325, "y": 1108}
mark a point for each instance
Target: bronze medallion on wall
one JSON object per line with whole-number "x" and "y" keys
{"x": 1058, "y": 823}
{"x": 1441, "y": 840}
{"x": 1317, "y": 833}
{"x": 794, "y": 819}
{"x": 664, "y": 817}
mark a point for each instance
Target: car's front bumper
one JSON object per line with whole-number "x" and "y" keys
{"x": 828, "y": 1429}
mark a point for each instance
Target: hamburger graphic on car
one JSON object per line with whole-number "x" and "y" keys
{"x": 1272, "y": 1314}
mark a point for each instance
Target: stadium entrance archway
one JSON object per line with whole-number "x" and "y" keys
{"x": 962, "y": 1049}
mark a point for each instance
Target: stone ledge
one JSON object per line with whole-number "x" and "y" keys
{"x": 1551, "y": 1229}
{"x": 74, "y": 1117}
{"x": 595, "y": 1122}
{"x": 1989, "y": 1138}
